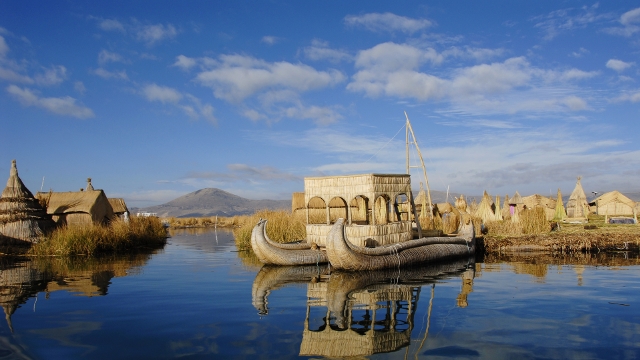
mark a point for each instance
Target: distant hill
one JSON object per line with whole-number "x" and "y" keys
{"x": 212, "y": 202}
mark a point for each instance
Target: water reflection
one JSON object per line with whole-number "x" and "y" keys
{"x": 359, "y": 313}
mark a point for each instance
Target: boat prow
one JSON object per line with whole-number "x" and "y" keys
{"x": 270, "y": 252}
{"x": 342, "y": 254}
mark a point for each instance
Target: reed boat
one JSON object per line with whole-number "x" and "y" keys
{"x": 344, "y": 255}
{"x": 271, "y": 252}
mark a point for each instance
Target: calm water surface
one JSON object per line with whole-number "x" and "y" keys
{"x": 199, "y": 298}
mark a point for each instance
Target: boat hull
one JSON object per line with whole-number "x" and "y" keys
{"x": 346, "y": 256}
{"x": 270, "y": 252}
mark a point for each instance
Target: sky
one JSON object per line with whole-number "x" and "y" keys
{"x": 156, "y": 99}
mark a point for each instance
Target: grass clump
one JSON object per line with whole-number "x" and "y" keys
{"x": 93, "y": 239}
{"x": 282, "y": 227}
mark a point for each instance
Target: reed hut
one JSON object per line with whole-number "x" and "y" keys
{"x": 119, "y": 207}
{"x": 485, "y": 209}
{"x": 378, "y": 207}
{"x": 612, "y": 203}
{"x": 515, "y": 204}
{"x": 560, "y": 213}
{"x": 78, "y": 207}
{"x": 22, "y": 218}
{"x": 461, "y": 204}
{"x": 577, "y": 206}
{"x": 540, "y": 201}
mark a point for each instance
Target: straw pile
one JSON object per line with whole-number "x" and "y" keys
{"x": 560, "y": 213}
{"x": 485, "y": 209}
{"x": 21, "y": 215}
{"x": 577, "y": 206}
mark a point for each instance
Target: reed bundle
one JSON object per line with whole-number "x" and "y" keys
{"x": 282, "y": 227}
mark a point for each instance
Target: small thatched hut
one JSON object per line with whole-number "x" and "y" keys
{"x": 536, "y": 200}
{"x": 78, "y": 207}
{"x": 560, "y": 213}
{"x": 485, "y": 209}
{"x": 21, "y": 215}
{"x": 577, "y": 206}
{"x": 118, "y": 206}
{"x": 612, "y": 203}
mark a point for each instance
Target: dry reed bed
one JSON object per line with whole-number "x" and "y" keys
{"x": 282, "y": 227}
{"x": 92, "y": 239}
{"x": 218, "y": 221}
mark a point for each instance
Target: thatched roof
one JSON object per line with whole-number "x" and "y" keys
{"x": 485, "y": 209}
{"x": 118, "y": 205}
{"x": 577, "y": 206}
{"x": 21, "y": 215}
{"x": 560, "y": 213}
{"x": 93, "y": 203}
{"x": 613, "y": 203}
{"x": 516, "y": 199}
{"x": 348, "y": 187}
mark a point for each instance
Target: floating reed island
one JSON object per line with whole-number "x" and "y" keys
{"x": 84, "y": 222}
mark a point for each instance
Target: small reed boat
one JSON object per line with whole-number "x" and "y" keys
{"x": 344, "y": 255}
{"x": 270, "y": 252}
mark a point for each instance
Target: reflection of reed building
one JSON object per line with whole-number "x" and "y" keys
{"x": 374, "y": 319}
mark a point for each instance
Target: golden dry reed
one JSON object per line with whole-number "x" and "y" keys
{"x": 219, "y": 221}
{"x": 93, "y": 239}
{"x": 531, "y": 222}
{"x": 282, "y": 227}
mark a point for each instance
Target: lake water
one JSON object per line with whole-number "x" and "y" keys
{"x": 199, "y": 298}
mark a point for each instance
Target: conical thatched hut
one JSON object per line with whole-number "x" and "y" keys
{"x": 515, "y": 204}
{"x": 539, "y": 201}
{"x": 78, "y": 207}
{"x": 612, "y": 203}
{"x": 484, "y": 209}
{"x": 506, "y": 212}
{"x": 577, "y": 206}
{"x": 21, "y": 215}
{"x": 560, "y": 213}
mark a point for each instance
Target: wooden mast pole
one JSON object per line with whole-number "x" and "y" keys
{"x": 424, "y": 169}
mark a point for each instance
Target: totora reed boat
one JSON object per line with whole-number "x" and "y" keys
{"x": 344, "y": 255}
{"x": 270, "y": 252}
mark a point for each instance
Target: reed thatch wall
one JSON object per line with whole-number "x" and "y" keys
{"x": 118, "y": 206}
{"x": 22, "y": 218}
{"x": 613, "y": 203}
{"x": 540, "y": 201}
{"x": 360, "y": 234}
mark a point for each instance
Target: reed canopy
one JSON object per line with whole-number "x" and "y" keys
{"x": 22, "y": 217}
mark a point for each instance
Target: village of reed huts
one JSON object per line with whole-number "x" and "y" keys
{"x": 26, "y": 218}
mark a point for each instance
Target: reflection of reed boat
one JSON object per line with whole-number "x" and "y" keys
{"x": 270, "y": 278}
{"x": 270, "y": 252}
{"x": 367, "y": 312}
{"x": 343, "y": 254}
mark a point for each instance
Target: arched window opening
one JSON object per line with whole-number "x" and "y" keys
{"x": 317, "y": 209}
{"x": 359, "y": 207}
{"x": 337, "y": 209}
{"x": 402, "y": 208}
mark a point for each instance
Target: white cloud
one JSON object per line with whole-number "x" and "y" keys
{"x": 61, "y": 106}
{"x": 79, "y": 87}
{"x": 185, "y": 63}
{"x": 106, "y": 74}
{"x": 270, "y": 40}
{"x": 629, "y": 96}
{"x": 510, "y": 86}
{"x": 152, "y": 34}
{"x": 237, "y": 77}
{"x": 562, "y": 20}
{"x": 111, "y": 25}
{"x": 321, "y": 51}
{"x": 4, "y": 48}
{"x": 619, "y": 65}
{"x": 154, "y": 92}
{"x": 53, "y": 76}
{"x": 107, "y": 56}
{"x": 629, "y": 21}
{"x": 387, "y": 22}
{"x": 15, "y": 77}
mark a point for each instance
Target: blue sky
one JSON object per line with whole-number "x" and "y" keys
{"x": 156, "y": 99}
